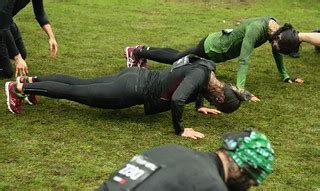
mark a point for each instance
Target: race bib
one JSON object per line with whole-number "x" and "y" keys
{"x": 133, "y": 173}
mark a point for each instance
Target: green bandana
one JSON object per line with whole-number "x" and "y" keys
{"x": 253, "y": 154}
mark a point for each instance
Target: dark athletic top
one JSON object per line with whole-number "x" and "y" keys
{"x": 8, "y": 9}
{"x": 172, "y": 88}
{"x": 169, "y": 168}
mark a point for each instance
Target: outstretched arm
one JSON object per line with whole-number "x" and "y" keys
{"x": 43, "y": 21}
{"x": 312, "y": 38}
{"x": 247, "y": 47}
{"x": 283, "y": 70}
{"x": 191, "y": 83}
{"x": 53, "y": 45}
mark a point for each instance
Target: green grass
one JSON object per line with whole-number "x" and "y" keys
{"x": 64, "y": 145}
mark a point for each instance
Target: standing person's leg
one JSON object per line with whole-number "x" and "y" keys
{"x": 18, "y": 40}
{"x": 167, "y": 55}
{"x": 6, "y": 69}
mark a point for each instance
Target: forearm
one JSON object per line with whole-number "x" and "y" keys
{"x": 47, "y": 28}
{"x": 199, "y": 102}
{"x": 9, "y": 40}
{"x": 176, "y": 112}
{"x": 242, "y": 74}
{"x": 312, "y": 38}
{"x": 280, "y": 66}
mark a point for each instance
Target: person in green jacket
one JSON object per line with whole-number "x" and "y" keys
{"x": 228, "y": 44}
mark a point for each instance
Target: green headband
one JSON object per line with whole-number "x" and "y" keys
{"x": 253, "y": 154}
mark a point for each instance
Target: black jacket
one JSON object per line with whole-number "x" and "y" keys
{"x": 184, "y": 82}
{"x": 169, "y": 168}
{"x": 8, "y": 9}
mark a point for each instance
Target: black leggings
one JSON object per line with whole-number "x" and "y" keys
{"x": 6, "y": 69}
{"x": 169, "y": 55}
{"x": 118, "y": 91}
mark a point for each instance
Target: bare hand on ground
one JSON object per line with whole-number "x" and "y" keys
{"x": 190, "y": 133}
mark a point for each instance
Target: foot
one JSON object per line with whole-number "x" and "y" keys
{"x": 142, "y": 61}
{"x": 31, "y": 98}
{"x": 132, "y": 61}
{"x": 22, "y": 79}
{"x": 14, "y": 101}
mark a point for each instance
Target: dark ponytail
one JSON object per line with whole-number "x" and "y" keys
{"x": 288, "y": 39}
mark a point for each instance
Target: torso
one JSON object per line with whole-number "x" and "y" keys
{"x": 183, "y": 169}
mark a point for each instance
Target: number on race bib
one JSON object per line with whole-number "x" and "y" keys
{"x": 131, "y": 171}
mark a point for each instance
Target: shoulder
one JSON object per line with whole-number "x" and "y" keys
{"x": 164, "y": 152}
{"x": 167, "y": 148}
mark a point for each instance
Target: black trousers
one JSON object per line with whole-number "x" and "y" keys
{"x": 169, "y": 55}
{"x": 6, "y": 69}
{"x": 118, "y": 91}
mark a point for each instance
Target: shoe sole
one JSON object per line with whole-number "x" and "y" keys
{"x": 28, "y": 101}
{"x": 8, "y": 97}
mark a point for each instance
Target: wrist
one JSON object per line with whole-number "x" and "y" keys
{"x": 17, "y": 57}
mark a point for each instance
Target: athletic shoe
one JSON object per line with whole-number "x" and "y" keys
{"x": 143, "y": 62}
{"x": 31, "y": 98}
{"x": 132, "y": 60}
{"x": 14, "y": 102}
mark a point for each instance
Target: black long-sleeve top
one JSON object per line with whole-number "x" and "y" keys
{"x": 8, "y": 9}
{"x": 176, "y": 86}
{"x": 180, "y": 169}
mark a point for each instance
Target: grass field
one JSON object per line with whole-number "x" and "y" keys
{"x": 64, "y": 145}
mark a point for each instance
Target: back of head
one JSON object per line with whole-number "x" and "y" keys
{"x": 232, "y": 100}
{"x": 252, "y": 152}
{"x": 289, "y": 42}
